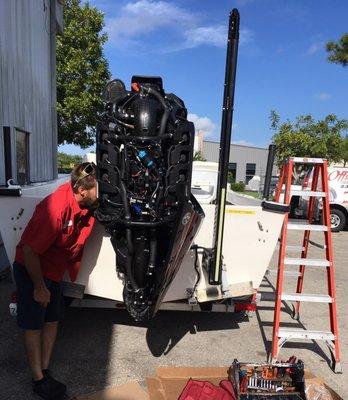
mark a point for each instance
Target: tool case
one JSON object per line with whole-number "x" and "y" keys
{"x": 265, "y": 381}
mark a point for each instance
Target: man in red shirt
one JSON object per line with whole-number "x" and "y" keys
{"x": 52, "y": 244}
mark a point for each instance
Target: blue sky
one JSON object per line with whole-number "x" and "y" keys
{"x": 282, "y": 62}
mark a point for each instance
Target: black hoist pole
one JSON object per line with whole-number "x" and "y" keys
{"x": 269, "y": 170}
{"x": 225, "y": 142}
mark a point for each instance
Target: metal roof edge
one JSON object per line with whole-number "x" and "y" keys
{"x": 239, "y": 145}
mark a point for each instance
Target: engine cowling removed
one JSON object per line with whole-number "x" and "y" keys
{"x": 144, "y": 166}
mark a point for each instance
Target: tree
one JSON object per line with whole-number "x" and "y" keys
{"x": 66, "y": 162}
{"x": 82, "y": 73}
{"x": 308, "y": 138}
{"x": 345, "y": 150}
{"x": 338, "y": 51}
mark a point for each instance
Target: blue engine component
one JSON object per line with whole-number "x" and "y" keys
{"x": 137, "y": 209}
{"x": 146, "y": 159}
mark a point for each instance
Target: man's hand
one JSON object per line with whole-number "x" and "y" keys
{"x": 42, "y": 295}
{"x": 32, "y": 262}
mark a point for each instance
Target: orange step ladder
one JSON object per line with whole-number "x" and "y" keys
{"x": 282, "y": 335}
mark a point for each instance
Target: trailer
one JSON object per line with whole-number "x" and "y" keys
{"x": 246, "y": 227}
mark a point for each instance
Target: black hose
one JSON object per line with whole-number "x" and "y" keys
{"x": 164, "y": 121}
{"x": 129, "y": 261}
{"x": 196, "y": 269}
{"x": 156, "y": 94}
{"x": 146, "y": 224}
{"x": 122, "y": 117}
{"x": 129, "y": 238}
{"x": 153, "y": 249}
{"x": 166, "y": 112}
{"x": 143, "y": 138}
{"x": 123, "y": 193}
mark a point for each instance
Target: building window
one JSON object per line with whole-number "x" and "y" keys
{"x": 232, "y": 172}
{"x": 7, "y": 153}
{"x": 249, "y": 172}
{"x": 22, "y": 155}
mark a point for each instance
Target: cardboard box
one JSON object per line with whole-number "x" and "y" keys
{"x": 315, "y": 384}
{"x": 128, "y": 391}
{"x": 169, "y": 382}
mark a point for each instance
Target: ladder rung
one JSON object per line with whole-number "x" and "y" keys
{"x": 305, "y": 226}
{"x": 312, "y": 298}
{"x": 304, "y": 334}
{"x": 307, "y": 160}
{"x": 291, "y": 274}
{"x": 307, "y": 261}
{"x": 308, "y": 193}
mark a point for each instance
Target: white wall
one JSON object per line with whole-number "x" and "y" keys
{"x": 27, "y": 82}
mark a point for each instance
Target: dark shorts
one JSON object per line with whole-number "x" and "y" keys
{"x": 30, "y": 315}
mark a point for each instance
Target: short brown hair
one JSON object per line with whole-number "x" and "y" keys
{"x": 77, "y": 179}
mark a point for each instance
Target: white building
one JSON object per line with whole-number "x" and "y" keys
{"x": 245, "y": 161}
{"x": 28, "y": 121}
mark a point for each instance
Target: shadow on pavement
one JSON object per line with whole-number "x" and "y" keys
{"x": 164, "y": 332}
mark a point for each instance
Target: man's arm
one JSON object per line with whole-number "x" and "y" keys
{"x": 32, "y": 263}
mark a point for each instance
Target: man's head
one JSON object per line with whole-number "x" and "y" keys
{"x": 83, "y": 183}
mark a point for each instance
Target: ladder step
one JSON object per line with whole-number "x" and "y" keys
{"x": 307, "y": 193}
{"x": 306, "y": 160}
{"x": 312, "y": 298}
{"x": 297, "y": 333}
{"x": 291, "y": 274}
{"x": 307, "y": 261}
{"x": 305, "y": 226}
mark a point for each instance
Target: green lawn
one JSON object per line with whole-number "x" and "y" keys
{"x": 252, "y": 194}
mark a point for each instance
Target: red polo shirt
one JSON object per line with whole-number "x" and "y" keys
{"x": 57, "y": 232}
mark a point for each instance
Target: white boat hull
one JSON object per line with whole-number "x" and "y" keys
{"x": 250, "y": 237}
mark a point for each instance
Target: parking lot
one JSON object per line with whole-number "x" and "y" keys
{"x": 97, "y": 348}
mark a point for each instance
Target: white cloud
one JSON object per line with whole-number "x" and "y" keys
{"x": 214, "y": 35}
{"x": 314, "y": 48}
{"x": 204, "y": 124}
{"x": 323, "y": 96}
{"x": 142, "y": 17}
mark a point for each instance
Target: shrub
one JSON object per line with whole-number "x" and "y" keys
{"x": 238, "y": 187}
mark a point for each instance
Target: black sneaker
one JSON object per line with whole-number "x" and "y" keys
{"x": 49, "y": 389}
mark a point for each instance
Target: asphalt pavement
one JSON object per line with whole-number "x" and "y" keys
{"x": 98, "y": 348}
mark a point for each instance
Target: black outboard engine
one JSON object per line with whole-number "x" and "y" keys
{"x": 144, "y": 166}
